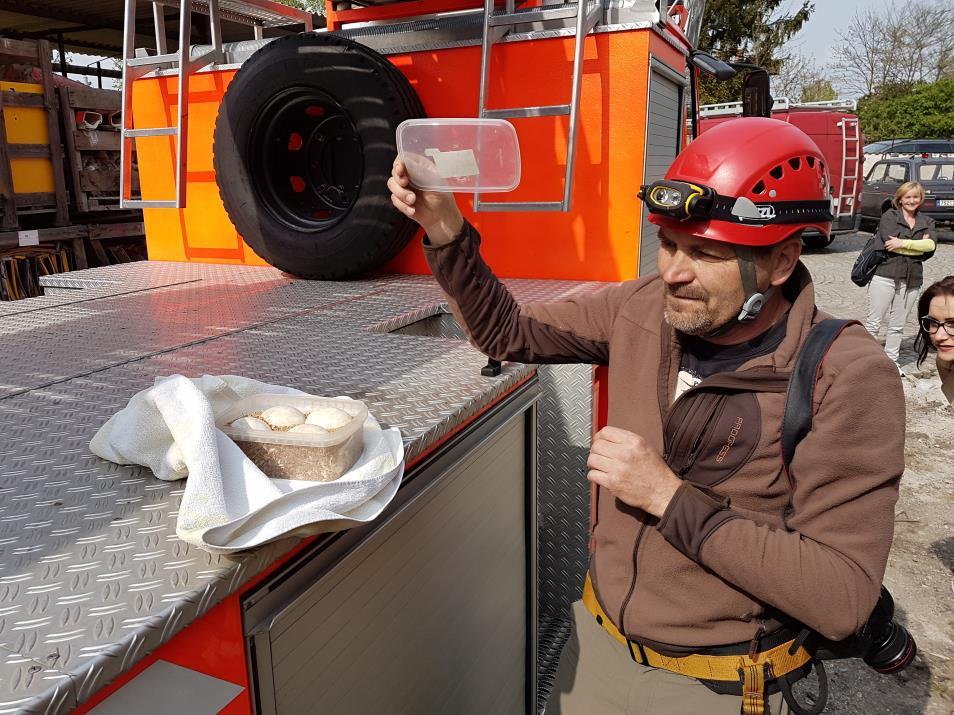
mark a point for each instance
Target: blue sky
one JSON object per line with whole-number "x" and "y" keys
{"x": 818, "y": 35}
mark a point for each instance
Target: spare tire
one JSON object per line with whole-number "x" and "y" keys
{"x": 303, "y": 148}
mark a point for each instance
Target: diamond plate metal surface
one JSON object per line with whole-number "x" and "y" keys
{"x": 563, "y": 496}
{"x": 92, "y": 575}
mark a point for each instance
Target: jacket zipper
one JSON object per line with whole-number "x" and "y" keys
{"x": 632, "y": 583}
{"x": 639, "y": 537}
{"x": 643, "y": 525}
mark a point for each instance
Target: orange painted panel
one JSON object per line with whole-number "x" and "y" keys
{"x": 597, "y": 240}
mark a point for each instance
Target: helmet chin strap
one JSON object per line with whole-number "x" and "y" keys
{"x": 754, "y": 298}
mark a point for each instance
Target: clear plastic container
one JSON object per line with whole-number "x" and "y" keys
{"x": 460, "y": 154}
{"x": 321, "y": 457}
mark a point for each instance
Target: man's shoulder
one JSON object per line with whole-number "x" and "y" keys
{"x": 857, "y": 357}
{"x": 642, "y": 301}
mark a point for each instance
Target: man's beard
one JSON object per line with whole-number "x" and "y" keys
{"x": 691, "y": 322}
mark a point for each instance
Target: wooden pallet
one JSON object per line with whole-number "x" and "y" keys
{"x": 14, "y": 205}
{"x": 93, "y": 154}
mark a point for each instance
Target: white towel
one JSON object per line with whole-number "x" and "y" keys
{"x": 229, "y": 504}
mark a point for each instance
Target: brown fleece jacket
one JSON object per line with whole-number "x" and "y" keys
{"x": 738, "y": 548}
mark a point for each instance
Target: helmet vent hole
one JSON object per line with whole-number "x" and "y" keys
{"x": 776, "y": 173}
{"x": 821, "y": 166}
{"x": 811, "y": 161}
{"x": 795, "y": 163}
{"x": 759, "y": 188}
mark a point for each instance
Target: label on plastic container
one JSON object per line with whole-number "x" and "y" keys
{"x": 454, "y": 164}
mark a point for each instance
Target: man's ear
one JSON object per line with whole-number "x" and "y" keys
{"x": 784, "y": 259}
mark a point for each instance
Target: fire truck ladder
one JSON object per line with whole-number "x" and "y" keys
{"x": 258, "y": 13}
{"x": 850, "y": 162}
{"x": 496, "y": 25}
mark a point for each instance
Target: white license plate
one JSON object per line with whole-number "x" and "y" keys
{"x": 945, "y": 202}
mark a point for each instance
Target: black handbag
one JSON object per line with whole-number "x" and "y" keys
{"x": 867, "y": 262}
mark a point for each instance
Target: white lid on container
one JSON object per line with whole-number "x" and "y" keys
{"x": 460, "y": 154}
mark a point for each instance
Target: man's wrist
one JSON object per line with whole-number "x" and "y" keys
{"x": 445, "y": 232}
{"x": 663, "y": 497}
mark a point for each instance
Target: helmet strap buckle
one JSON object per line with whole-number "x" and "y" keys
{"x": 751, "y": 307}
{"x": 755, "y": 299}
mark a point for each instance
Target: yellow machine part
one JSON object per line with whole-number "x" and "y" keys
{"x": 27, "y": 125}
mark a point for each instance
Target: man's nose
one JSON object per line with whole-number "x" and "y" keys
{"x": 677, "y": 268}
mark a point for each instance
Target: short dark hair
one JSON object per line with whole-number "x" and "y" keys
{"x": 922, "y": 341}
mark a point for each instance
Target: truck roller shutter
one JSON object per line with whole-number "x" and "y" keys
{"x": 664, "y": 124}
{"x": 303, "y": 148}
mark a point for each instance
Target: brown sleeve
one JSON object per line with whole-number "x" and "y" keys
{"x": 826, "y": 570}
{"x": 572, "y": 330}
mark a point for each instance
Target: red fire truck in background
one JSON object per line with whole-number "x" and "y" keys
{"x": 836, "y": 130}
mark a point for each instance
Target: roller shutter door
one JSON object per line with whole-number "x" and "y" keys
{"x": 663, "y": 134}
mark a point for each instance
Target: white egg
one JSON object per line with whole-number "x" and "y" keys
{"x": 331, "y": 418}
{"x": 283, "y": 417}
{"x": 251, "y": 423}
{"x": 313, "y": 429}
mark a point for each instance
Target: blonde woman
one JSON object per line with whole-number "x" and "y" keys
{"x": 908, "y": 237}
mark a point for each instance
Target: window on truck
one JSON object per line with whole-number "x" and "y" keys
{"x": 936, "y": 172}
{"x": 877, "y": 172}
{"x": 896, "y": 173}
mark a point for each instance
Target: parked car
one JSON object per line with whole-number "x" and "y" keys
{"x": 884, "y": 178}
{"x": 890, "y": 148}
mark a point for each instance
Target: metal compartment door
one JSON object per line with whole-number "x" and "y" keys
{"x": 664, "y": 126}
{"x": 430, "y": 612}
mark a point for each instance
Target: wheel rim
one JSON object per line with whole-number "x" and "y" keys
{"x": 306, "y": 159}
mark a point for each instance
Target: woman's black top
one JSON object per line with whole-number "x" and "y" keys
{"x": 906, "y": 268}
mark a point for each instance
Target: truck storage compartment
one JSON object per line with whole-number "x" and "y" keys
{"x": 421, "y": 611}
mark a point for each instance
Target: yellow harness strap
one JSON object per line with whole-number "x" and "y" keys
{"x": 748, "y": 669}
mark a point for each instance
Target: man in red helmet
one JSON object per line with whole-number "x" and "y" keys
{"x": 705, "y": 560}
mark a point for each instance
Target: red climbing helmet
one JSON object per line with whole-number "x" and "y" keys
{"x": 751, "y": 181}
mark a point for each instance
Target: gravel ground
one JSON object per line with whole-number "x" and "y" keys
{"x": 920, "y": 571}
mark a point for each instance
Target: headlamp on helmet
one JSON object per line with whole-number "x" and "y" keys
{"x": 679, "y": 200}
{"x": 685, "y": 201}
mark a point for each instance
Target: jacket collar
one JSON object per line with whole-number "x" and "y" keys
{"x": 920, "y": 220}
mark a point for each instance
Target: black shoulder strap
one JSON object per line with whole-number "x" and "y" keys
{"x": 797, "y": 419}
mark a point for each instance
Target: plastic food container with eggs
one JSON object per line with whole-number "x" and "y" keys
{"x": 314, "y": 439}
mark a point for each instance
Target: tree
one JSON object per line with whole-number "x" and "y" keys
{"x": 313, "y": 6}
{"x": 819, "y": 90}
{"x": 800, "y": 79}
{"x": 896, "y": 47}
{"x": 751, "y": 31}
{"x": 926, "y": 111}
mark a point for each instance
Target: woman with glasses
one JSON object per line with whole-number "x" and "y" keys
{"x": 907, "y": 236}
{"x": 936, "y": 331}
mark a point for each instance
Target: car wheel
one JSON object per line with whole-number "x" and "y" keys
{"x": 303, "y": 148}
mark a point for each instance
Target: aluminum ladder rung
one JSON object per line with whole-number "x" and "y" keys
{"x": 144, "y": 204}
{"x": 552, "y": 110}
{"x": 522, "y": 206}
{"x": 151, "y": 132}
{"x": 587, "y": 17}
{"x": 534, "y": 15}
{"x": 154, "y": 60}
